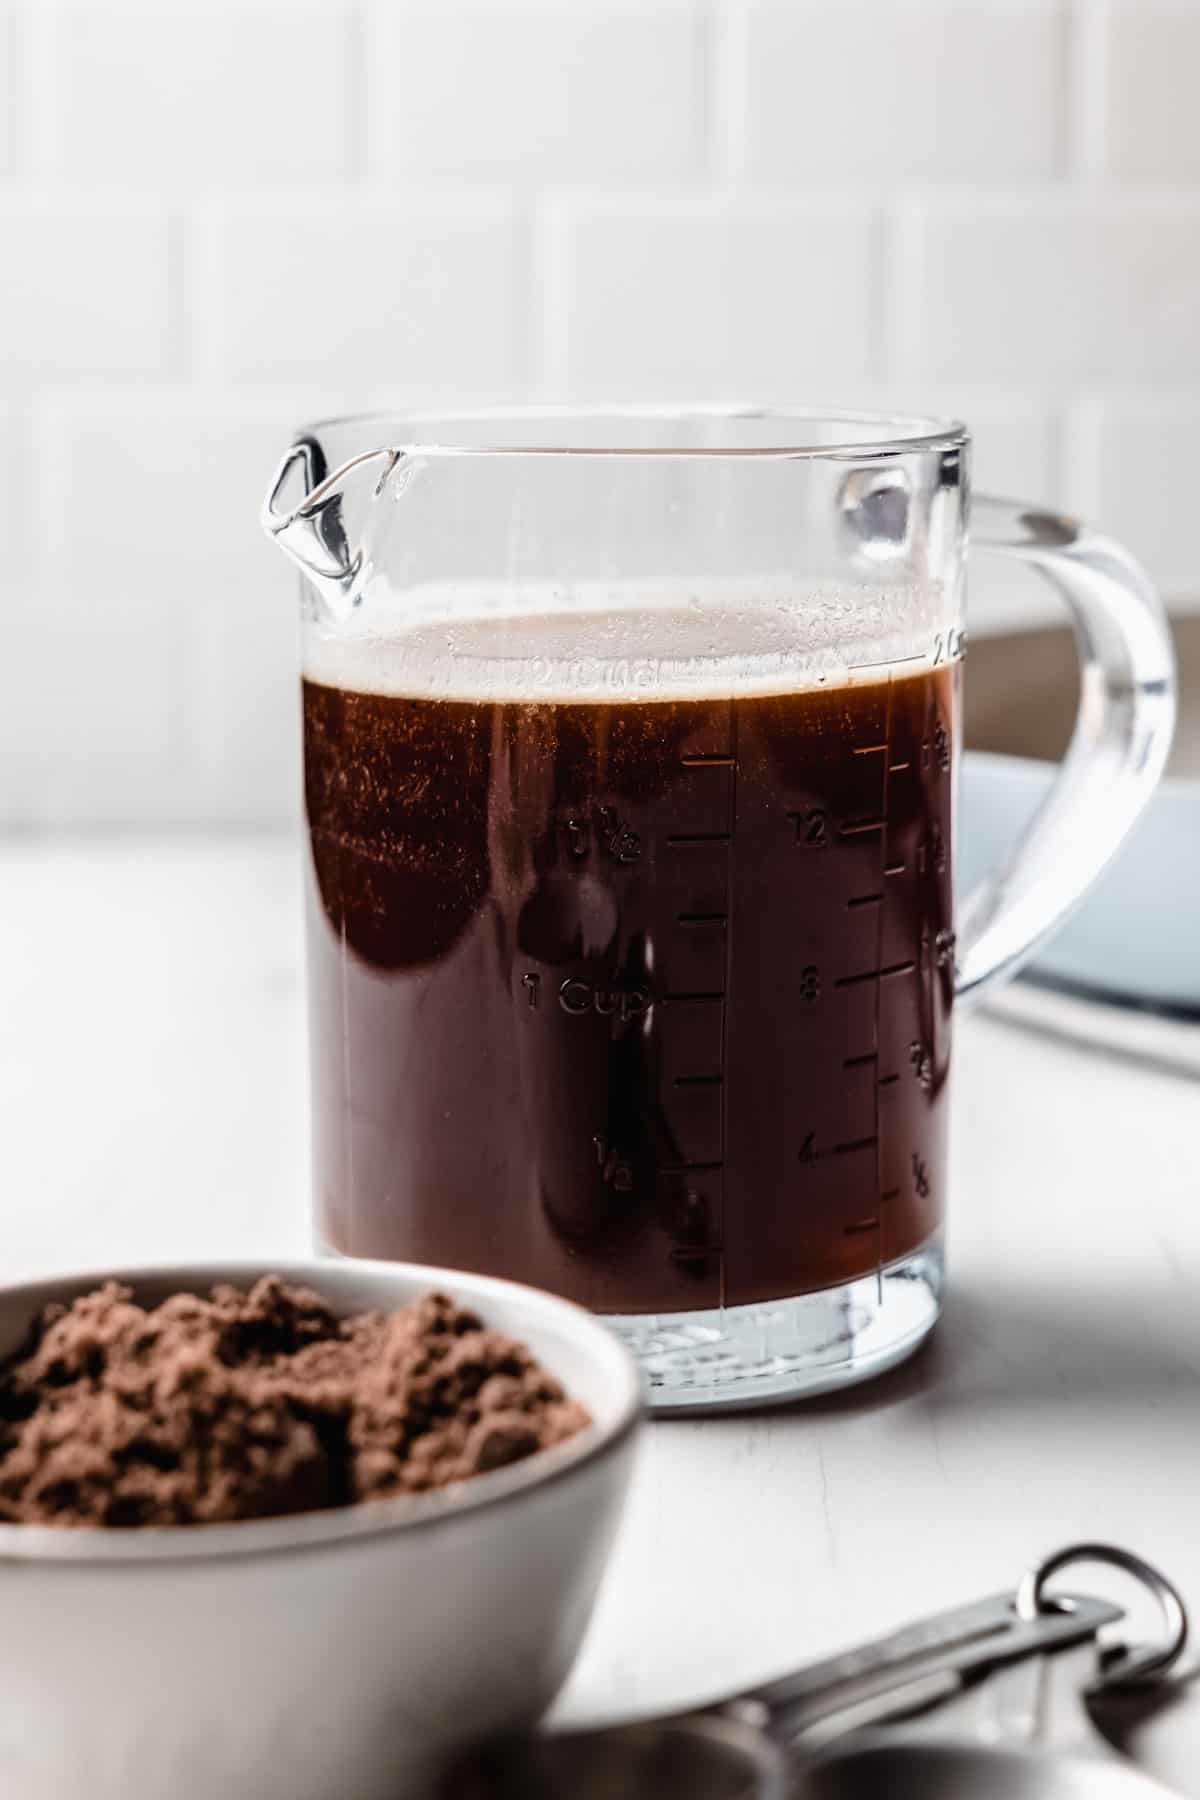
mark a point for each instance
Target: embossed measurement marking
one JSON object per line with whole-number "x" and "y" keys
{"x": 852, "y": 1144}
{"x": 578, "y": 997}
{"x": 811, "y": 828}
{"x": 900, "y": 968}
{"x": 723, "y": 763}
{"x": 890, "y": 662}
{"x": 604, "y": 827}
{"x": 808, "y": 1152}
{"x": 921, "y": 1058}
{"x": 615, "y": 1172}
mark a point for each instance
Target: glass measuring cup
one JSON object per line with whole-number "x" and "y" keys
{"x": 630, "y": 747}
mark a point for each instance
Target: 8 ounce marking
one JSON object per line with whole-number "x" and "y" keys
{"x": 810, "y": 982}
{"x": 935, "y": 749}
{"x": 920, "y": 1177}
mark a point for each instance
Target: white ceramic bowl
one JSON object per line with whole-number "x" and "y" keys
{"x": 327, "y": 1656}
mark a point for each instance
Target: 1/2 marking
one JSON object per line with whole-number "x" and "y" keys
{"x": 615, "y": 1172}
{"x": 606, "y": 828}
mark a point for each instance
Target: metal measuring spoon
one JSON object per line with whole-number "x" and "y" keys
{"x": 746, "y": 1748}
{"x": 954, "y": 1771}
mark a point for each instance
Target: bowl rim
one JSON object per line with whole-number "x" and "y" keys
{"x": 363, "y": 1521}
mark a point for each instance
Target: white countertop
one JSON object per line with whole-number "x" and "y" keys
{"x": 153, "y": 1105}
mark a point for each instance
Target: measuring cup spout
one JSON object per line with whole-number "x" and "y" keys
{"x": 327, "y": 522}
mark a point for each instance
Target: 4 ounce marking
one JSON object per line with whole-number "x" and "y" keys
{"x": 922, "y": 1064}
{"x": 931, "y": 851}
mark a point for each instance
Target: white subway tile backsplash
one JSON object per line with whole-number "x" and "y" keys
{"x": 173, "y": 653}
{"x": 101, "y": 642}
{"x": 222, "y": 216}
{"x": 24, "y": 721}
{"x": 1061, "y": 286}
{"x": 157, "y": 95}
{"x": 537, "y": 89}
{"x": 85, "y": 292}
{"x": 1135, "y": 475}
{"x": 341, "y": 288}
{"x": 1150, "y": 120}
{"x": 888, "y": 90}
{"x": 1015, "y": 434}
{"x": 1015, "y": 452}
{"x": 693, "y": 296}
{"x": 14, "y": 87}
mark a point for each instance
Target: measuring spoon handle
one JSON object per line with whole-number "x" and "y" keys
{"x": 914, "y": 1667}
{"x": 1122, "y": 735}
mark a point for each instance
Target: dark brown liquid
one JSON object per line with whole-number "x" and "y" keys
{"x": 644, "y": 1002}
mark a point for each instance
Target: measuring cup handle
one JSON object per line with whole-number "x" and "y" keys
{"x": 1122, "y": 735}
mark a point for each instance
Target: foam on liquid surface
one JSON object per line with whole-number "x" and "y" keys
{"x": 653, "y": 641}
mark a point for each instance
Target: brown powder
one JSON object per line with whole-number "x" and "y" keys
{"x": 244, "y": 1405}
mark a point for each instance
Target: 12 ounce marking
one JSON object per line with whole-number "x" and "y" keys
{"x": 812, "y": 828}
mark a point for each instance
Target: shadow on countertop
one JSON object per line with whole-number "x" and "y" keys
{"x": 1021, "y": 1349}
